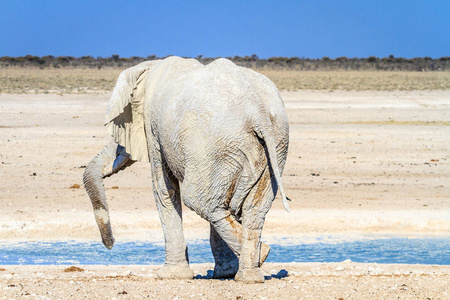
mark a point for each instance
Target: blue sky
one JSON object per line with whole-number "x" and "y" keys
{"x": 312, "y": 29}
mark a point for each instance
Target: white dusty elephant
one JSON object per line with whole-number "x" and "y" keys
{"x": 216, "y": 137}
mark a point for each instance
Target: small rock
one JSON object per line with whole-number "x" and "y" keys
{"x": 339, "y": 269}
{"x": 74, "y": 186}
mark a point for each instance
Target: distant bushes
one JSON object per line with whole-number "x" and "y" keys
{"x": 390, "y": 63}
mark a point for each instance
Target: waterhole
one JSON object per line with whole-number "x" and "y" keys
{"x": 388, "y": 251}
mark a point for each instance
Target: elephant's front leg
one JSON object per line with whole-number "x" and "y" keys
{"x": 168, "y": 202}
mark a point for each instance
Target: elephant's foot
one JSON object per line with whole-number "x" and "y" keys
{"x": 250, "y": 276}
{"x": 175, "y": 272}
{"x": 226, "y": 269}
{"x": 265, "y": 250}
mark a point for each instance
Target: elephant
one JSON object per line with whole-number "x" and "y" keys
{"x": 216, "y": 137}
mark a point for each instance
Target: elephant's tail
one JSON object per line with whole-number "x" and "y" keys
{"x": 265, "y": 132}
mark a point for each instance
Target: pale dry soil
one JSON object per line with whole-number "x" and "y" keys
{"x": 360, "y": 163}
{"x": 344, "y": 280}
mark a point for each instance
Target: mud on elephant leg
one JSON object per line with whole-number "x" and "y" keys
{"x": 226, "y": 262}
{"x": 255, "y": 208}
{"x": 168, "y": 202}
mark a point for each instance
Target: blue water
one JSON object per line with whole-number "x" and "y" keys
{"x": 393, "y": 250}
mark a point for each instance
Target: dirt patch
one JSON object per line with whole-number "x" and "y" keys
{"x": 73, "y": 269}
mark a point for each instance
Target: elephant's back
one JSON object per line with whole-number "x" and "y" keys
{"x": 217, "y": 100}
{"x": 178, "y": 84}
{"x": 207, "y": 113}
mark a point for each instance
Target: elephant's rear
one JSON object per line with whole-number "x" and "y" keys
{"x": 221, "y": 125}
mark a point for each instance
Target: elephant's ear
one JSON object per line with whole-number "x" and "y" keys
{"x": 124, "y": 117}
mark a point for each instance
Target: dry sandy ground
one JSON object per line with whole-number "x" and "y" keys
{"x": 359, "y": 163}
{"x": 283, "y": 281}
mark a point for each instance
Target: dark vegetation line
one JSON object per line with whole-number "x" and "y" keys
{"x": 390, "y": 63}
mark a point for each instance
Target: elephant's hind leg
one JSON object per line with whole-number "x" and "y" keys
{"x": 167, "y": 198}
{"x": 254, "y": 211}
{"x": 226, "y": 262}
{"x": 226, "y": 244}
